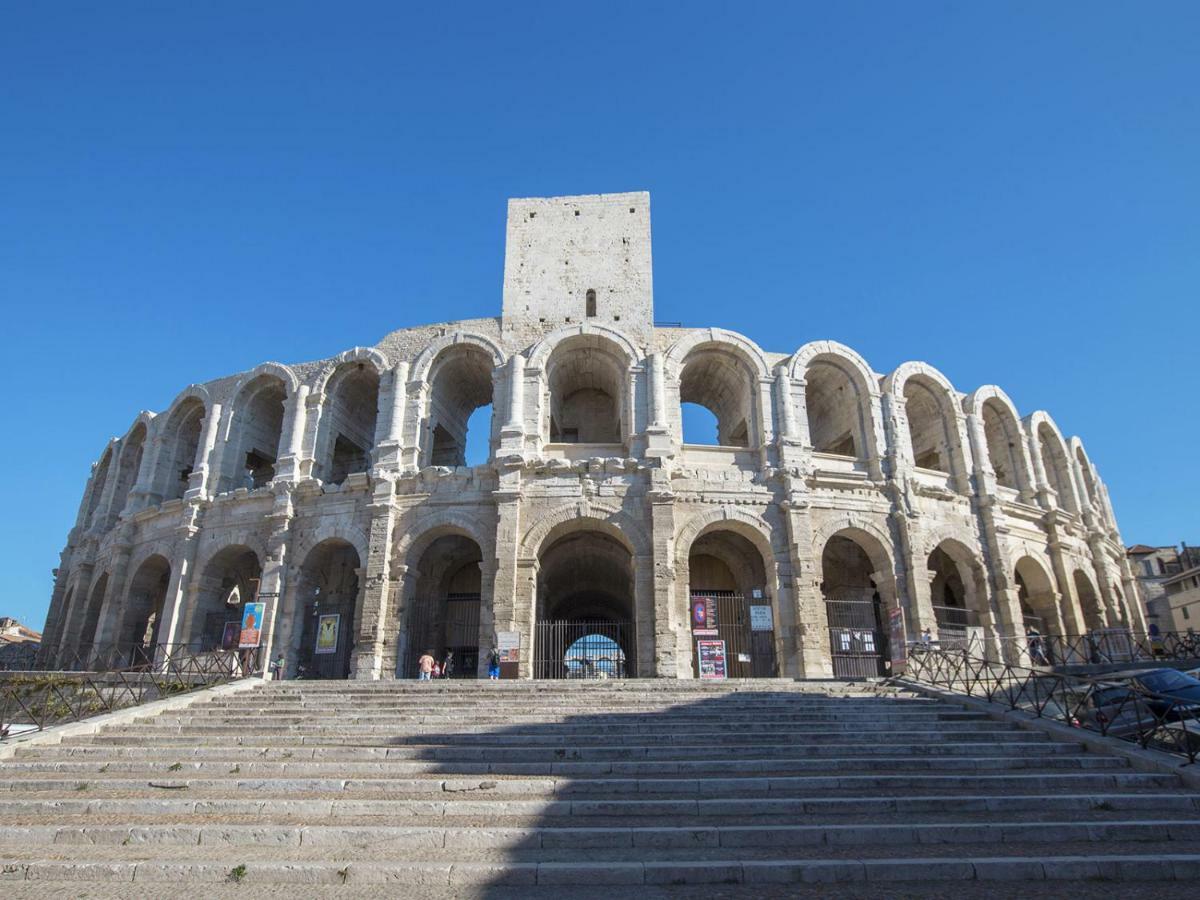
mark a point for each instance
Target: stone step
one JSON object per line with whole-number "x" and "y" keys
{"x": 468, "y": 840}
{"x": 274, "y": 717}
{"x": 783, "y": 787}
{"x": 1134, "y": 868}
{"x": 510, "y": 755}
{"x": 165, "y": 765}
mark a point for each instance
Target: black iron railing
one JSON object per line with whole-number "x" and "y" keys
{"x": 1107, "y": 647}
{"x": 1114, "y": 708}
{"x": 31, "y": 701}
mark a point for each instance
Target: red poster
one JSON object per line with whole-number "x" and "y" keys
{"x": 711, "y": 656}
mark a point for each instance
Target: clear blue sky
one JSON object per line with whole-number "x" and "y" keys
{"x": 1010, "y": 192}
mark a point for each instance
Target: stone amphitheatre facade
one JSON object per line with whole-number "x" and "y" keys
{"x": 832, "y": 495}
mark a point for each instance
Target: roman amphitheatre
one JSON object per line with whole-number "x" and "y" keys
{"x": 829, "y": 496}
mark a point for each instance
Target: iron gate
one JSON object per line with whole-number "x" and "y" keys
{"x": 329, "y": 664}
{"x": 444, "y": 625}
{"x": 748, "y": 653}
{"x": 857, "y": 640}
{"x": 583, "y": 650}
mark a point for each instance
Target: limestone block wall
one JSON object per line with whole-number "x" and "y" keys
{"x": 256, "y": 478}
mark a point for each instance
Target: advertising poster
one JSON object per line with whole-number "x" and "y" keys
{"x": 711, "y": 656}
{"x": 704, "y": 613}
{"x": 327, "y": 633}
{"x": 230, "y": 634}
{"x": 897, "y": 640}
{"x": 252, "y": 616}
{"x": 508, "y": 645}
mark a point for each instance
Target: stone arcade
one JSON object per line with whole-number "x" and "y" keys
{"x": 833, "y": 494}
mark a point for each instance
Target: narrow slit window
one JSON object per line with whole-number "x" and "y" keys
{"x": 591, "y": 303}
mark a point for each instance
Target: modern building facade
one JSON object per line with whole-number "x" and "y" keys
{"x": 1152, "y": 567}
{"x": 336, "y": 492}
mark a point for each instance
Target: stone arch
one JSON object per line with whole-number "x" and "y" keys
{"x": 327, "y": 585}
{"x": 348, "y": 532}
{"x": 928, "y": 409}
{"x": 1087, "y": 488}
{"x": 416, "y": 533}
{"x": 424, "y": 362}
{"x": 834, "y": 421}
{"x": 958, "y": 590}
{"x": 85, "y": 641}
{"x": 348, "y": 426}
{"x": 253, "y": 439}
{"x": 141, "y": 616}
{"x": 857, "y": 585}
{"x": 611, "y": 521}
{"x": 723, "y": 372}
{"x": 753, "y": 527}
{"x": 130, "y": 459}
{"x": 587, "y": 386}
{"x": 1038, "y": 599}
{"x": 875, "y": 539}
{"x": 227, "y": 566}
{"x": 180, "y": 432}
{"x": 1090, "y": 603}
{"x": 443, "y": 607}
{"x": 1006, "y": 451}
{"x": 365, "y": 355}
{"x": 459, "y": 379}
{"x": 99, "y": 481}
{"x": 1052, "y": 450}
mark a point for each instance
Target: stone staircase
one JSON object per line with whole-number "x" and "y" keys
{"x": 450, "y": 785}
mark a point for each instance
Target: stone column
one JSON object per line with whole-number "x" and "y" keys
{"x": 175, "y": 605}
{"x": 272, "y": 584}
{"x": 288, "y": 467}
{"x": 783, "y": 399}
{"x": 809, "y": 640}
{"x": 388, "y": 452}
{"x": 512, "y": 433}
{"x": 510, "y": 588}
{"x": 77, "y": 612}
{"x": 670, "y": 632}
{"x": 113, "y": 607}
{"x": 201, "y": 481}
{"x": 374, "y": 608}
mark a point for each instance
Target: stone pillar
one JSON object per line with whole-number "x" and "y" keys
{"x": 143, "y": 493}
{"x": 175, "y": 606}
{"x": 487, "y": 618}
{"x": 671, "y": 632}
{"x": 289, "y": 465}
{"x": 510, "y": 587}
{"x": 205, "y": 469}
{"x": 113, "y": 607}
{"x": 388, "y": 452}
{"x": 512, "y": 433}
{"x": 272, "y": 582}
{"x": 1074, "y": 622}
{"x": 783, "y": 399}
{"x": 77, "y": 612}
{"x": 658, "y": 392}
{"x": 374, "y": 620}
{"x": 808, "y": 642}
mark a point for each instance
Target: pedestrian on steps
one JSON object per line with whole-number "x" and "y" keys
{"x": 494, "y": 664}
{"x": 425, "y": 666}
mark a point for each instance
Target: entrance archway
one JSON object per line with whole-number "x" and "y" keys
{"x": 229, "y": 580}
{"x": 142, "y": 617}
{"x": 958, "y": 593}
{"x": 585, "y": 609}
{"x": 329, "y": 595}
{"x": 854, "y": 608}
{"x": 1089, "y": 602}
{"x": 443, "y": 617}
{"x": 727, "y": 580}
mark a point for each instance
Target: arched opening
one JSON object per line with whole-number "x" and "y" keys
{"x": 834, "y": 410}
{"x": 1089, "y": 483}
{"x": 142, "y": 616}
{"x": 328, "y": 599}
{"x": 1038, "y": 599}
{"x": 228, "y": 581}
{"x": 958, "y": 593}
{"x": 254, "y": 434}
{"x": 460, "y": 407}
{"x": 181, "y": 443}
{"x": 128, "y": 466}
{"x": 718, "y": 380}
{"x": 443, "y": 615}
{"x": 85, "y": 646}
{"x": 854, "y": 609}
{"x": 99, "y": 482}
{"x": 928, "y": 428}
{"x": 1089, "y": 601}
{"x": 727, "y": 587}
{"x": 1002, "y": 434}
{"x": 586, "y": 379}
{"x": 1122, "y": 607}
{"x": 1054, "y": 461}
{"x": 591, "y": 303}
{"x": 584, "y": 608}
{"x": 348, "y": 422}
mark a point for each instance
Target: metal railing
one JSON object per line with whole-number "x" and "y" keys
{"x": 32, "y": 701}
{"x": 1106, "y": 647}
{"x": 1120, "y": 709}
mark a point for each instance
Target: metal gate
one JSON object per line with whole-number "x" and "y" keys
{"x": 857, "y": 640}
{"x": 444, "y": 625}
{"x": 583, "y": 650}
{"x": 748, "y": 653}
{"x": 327, "y": 664}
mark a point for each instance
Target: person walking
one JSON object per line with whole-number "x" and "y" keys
{"x": 425, "y": 666}
{"x": 277, "y": 668}
{"x": 494, "y": 664}
{"x": 448, "y": 664}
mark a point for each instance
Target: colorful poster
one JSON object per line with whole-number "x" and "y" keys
{"x": 897, "y": 640}
{"x": 327, "y": 633}
{"x": 761, "y": 619}
{"x": 229, "y": 636}
{"x": 711, "y": 659}
{"x": 704, "y": 613}
{"x": 508, "y": 644}
{"x": 252, "y": 617}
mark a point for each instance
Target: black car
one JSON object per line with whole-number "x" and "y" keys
{"x": 1175, "y": 694}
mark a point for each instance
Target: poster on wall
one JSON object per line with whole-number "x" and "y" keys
{"x": 711, "y": 659}
{"x": 704, "y": 613}
{"x": 252, "y": 617}
{"x": 761, "y": 619}
{"x": 230, "y": 634}
{"x": 327, "y": 633}
{"x": 897, "y": 640}
{"x": 508, "y": 644}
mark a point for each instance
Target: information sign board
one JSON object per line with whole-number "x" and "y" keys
{"x": 711, "y": 659}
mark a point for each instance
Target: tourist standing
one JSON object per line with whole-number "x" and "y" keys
{"x": 494, "y": 664}
{"x": 425, "y": 666}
